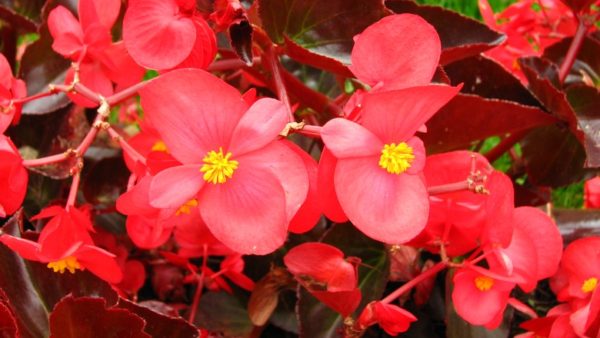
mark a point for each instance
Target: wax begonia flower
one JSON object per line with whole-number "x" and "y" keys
{"x": 379, "y": 162}
{"x": 10, "y": 89}
{"x": 392, "y": 319}
{"x": 13, "y": 178}
{"x": 480, "y": 296}
{"x": 579, "y": 270}
{"x": 591, "y": 193}
{"x": 326, "y": 274}
{"x": 166, "y": 34}
{"x": 194, "y": 239}
{"x": 247, "y": 183}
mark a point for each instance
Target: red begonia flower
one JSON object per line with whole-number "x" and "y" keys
{"x": 10, "y": 88}
{"x": 591, "y": 193}
{"x": 480, "y": 296}
{"x": 166, "y": 34}
{"x": 377, "y": 175}
{"x": 556, "y": 324}
{"x": 579, "y": 269}
{"x": 13, "y": 177}
{"x": 248, "y": 184}
{"x": 392, "y": 319}
{"x": 193, "y": 238}
{"x": 326, "y": 274}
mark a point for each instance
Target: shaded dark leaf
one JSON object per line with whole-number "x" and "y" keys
{"x": 220, "y": 312}
{"x": 23, "y": 15}
{"x": 89, "y": 317}
{"x": 587, "y": 63}
{"x": 240, "y": 35}
{"x": 105, "y": 181}
{"x": 316, "y": 319}
{"x": 575, "y": 224}
{"x": 578, "y": 5}
{"x": 553, "y": 156}
{"x": 319, "y": 33}
{"x": 528, "y": 195}
{"x": 33, "y": 289}
{"x": 160, "y": 325}
{"x": 468, "y": 118}
{"x": 461, "y": 36}
{"x": 586, "y": 103}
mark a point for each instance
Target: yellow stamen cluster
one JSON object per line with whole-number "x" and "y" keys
{"x": 69, "y": 263}
{"x": 218, "y": 167}
{"x": 589, "y": 285}
{"x": 160, "y": 146}
{"x": 483, "y": 283}
{"x": 186, "y": 208}
{"x": 396, "y": 158}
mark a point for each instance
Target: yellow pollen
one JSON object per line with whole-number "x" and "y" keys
{"x": 69, "y": 263}
{"x": 218, "y": 168}
{"x": 484, "y": 283}
{"x": 160, "y": 146}
{"x": 589, "y": 284}
{"x": 186, "y": 207}
{"x": 396, "y": 159}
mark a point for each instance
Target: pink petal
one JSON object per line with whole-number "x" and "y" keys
{"x": 326, "y": 190}
{"x": 193, "y": 111}
{"x": 100, "y": 262}
{"x": 399, "y": 51}
{"x": 247, "y": 213}
{"x": 120, "y": 67}
{"x": 66, "y": 31}
{"x": 395, "y": 116}
{"x": 137, "y": 200}
{"x": 205, "y": 46}
{"x": 392, "y": 318}
{"x": 6, "y": 74}
{"x": 499, "y": 207}
{"x": 389, "y": 208}
{"x": 418, "y": 148}
{"x": 310, "y": 212}
{"x": 147, "y": 233}
{"x": 173, "y": 187}
{"x": 156, "y": 35}
{"x": 259, "y": 126}
{"x": 346, "y": 139}
{"x": 103, "y": 12}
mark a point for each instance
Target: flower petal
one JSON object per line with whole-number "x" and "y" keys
{"x": 310, "y": 212}
{"x": 205, "y": 47}
{"x": 25, "y": 248}
{"x": 326, "y": 190}
{"x": 100, "y": 262}
{"x": 387, "y": 207}
{"x": 172, "y": 187}
{"x": 103, "y": 12}
{"x": 193, "y": 111}
{"x": 347, "y": 139}
{"x": 399, "y": 51}
{"x": 395, "y": 116}
{"x": 66, "y": 31}
{"x": 246, "y": 213}
{"x": 147, "y": 233}
{"x": 260, "y": 125}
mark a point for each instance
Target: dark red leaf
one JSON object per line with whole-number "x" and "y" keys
{"x": 223, "y": 313}
{"x": 8, "y": 322}
{"x": 468, "y": 118}
{"x": 585, "y": 101}
{"x": 319, "y": 33}
{"x": 461, "y": 36}
{"x": 587, "y": 63}
{"x": 89, "y": 317}
{"x": 105, "y": 181}
{"x": 160, "y": 325}
{"x": 575, "y": 224}
{"x": 22, "y": 15}
{"x": 578, "y": 5}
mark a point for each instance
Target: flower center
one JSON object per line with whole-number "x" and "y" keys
{"x": 589, "y": 284}
{"x": 218, "y": 168}
{"x": 186, "y": 207}
{"x": 396, "y": 158}
{"x": 69, "y": 263}
{"x": 160, "y": 146}
{"x": 484, "y": 283}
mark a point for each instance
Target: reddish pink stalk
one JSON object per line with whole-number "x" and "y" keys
{"x": 73, "y": 191}
{"x": 569, "y": 60}
{"x": 273, "y": 61}
{"x": 310, "y": 131}
{"x": 126, "y": 146}
{"x": 46, "y": 160}
{"x": 521, "y": 307}
{"x": 229, "y": 64}
{"x": 450, "y": 187}
{"x": 414, "y": 282}
{"x": 199, "y": 287}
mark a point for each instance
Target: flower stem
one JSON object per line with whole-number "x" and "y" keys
{"x": 450, "y": 187}
{"x": 574, "y": 48}
{"x": 505, "y": 145}
{"x": 414, "y": 282}
{"x": 46, "y": 160}
{"x": 73, "y": 191}
{"x": 126, "y": 146}
{"x": 273, "y": 61}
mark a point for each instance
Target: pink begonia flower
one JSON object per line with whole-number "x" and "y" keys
{"x": 10, "y": 88}
{"x": 379, "y": 162}
{"x": 247, "y": 183}
{"x": 13, "y": 178}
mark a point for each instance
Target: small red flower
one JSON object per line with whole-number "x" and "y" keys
{"x": 392, "y": 319}
{"x": 13, "y": 177}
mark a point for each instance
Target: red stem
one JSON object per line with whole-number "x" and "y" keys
{"x": 275, "y": 66}
{"x": 229, "y": 64}
{"x": 125, "y": 93}
{"x": 73, "y": 191}
{"x": 45, "y": 160}
{"x": 450, "y": 187}
{"x": 310, "y": 131}
{"x": 197, "y": 295}
{"x": 576, "y": 44}
{"x": 413, "y": 282}
{"x": 505, "y": 145}
{"x": 126, "y": 146}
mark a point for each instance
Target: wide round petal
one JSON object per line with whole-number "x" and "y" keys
{"x": 104, "y": 12}
{"x": 247, "y": 213}
{"x": 66, "y": 31}
{"x": 330, "y": 204}
{"x": 418, "y": 149}
{"x": 100, "y": 262}
{"x": 147, "y": 233}
{"x": 399, "y": 51}
{"x": 395, "y": 116}
{"x": 346, "y": 139}
{"x": 173, "y": 187}
{"x": 205, "y": 47}
{"x": 387, "y": 207}
{"x": 193, "y": 111}
{"x": 156, "y": 35}
{"x": 137, "y": 200}
{"x": 259, "y": 126}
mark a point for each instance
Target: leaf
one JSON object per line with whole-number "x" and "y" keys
{"x": 220, "y": 312}
{"x": 33, "y": 289}
{"x": 22, "y": 15}
{"x": 160, "y": 325}
{"x": 578, "y": 5}
{"x": 105, "y": 181}
{"x": 316, "y": 319}
{"x": 468, "y": 118}
{"x": 89, "y": 317}
{"x": 319, "y": 33}
{"x": 461, "y": 36}
{"x": 574, "y": 224}
{"x": 585, "y": 101}
{"x": 587, "y": 62}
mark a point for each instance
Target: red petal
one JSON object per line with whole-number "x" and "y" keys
{"x": 343, "y": 302}
{"x": 205, "y": 47}
{"x": 398, "y": 50}
{"x": 247, "y": 213}
{"x": 392, "y": 318}
{"x": 136, "y": 201}
{"x": 259, "y": 126}
{"x": 120, "y": 67}
{"x": 173, "y": 187}
{"x": 346, "y": 139}
{"x": 25, "y": 248}
{"x": 156, "y": 35}
{"x": 147, "y": 233}
{"x": 193, "y": 111}
{"x": 104, "y": 12}
{"x": 396, "y": 116}
{"x": 100, "y": 262}
{"x": 310, "y": 212}
{"x": 134, "y": 276}
{"x": 326, "y": 190}
{"x": 387, "y": 207}
{"x": 66, "y": 31}
{"x": 6, "y": 74}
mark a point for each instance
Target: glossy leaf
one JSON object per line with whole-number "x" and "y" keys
{"x": 160, "y": 325}
{"x": 587, "y": 62}
{"x": 461, "y": 36}
{"x": 585, "y": 101}
{"x": 316, "y": 319}
{"x": 222, "y": 312}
